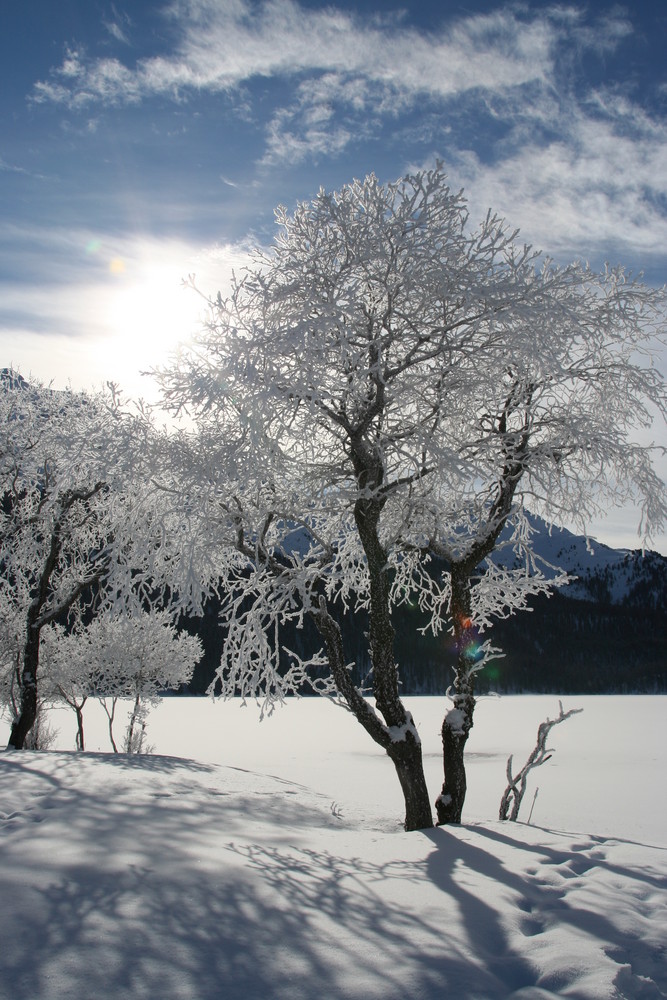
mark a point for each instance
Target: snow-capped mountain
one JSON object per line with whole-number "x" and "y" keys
{"x": 603, "y": 574}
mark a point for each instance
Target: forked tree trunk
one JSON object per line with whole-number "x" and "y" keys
{"x": 458, "y": 721}
{"x": 404, "y": 747}
{"x": 78, "y": 708}
{"x": 401, "y": 743}
{"x": 110, "y": 716}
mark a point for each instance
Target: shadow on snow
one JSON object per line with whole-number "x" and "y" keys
{"x": 180, "y": 890}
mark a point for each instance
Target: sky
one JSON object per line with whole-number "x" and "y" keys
{"x": 142, "y": 142}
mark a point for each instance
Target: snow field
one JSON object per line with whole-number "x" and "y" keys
{"x": 272, "y": 865}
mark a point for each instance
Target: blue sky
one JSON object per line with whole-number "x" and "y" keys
{"x": 144, "y": 141}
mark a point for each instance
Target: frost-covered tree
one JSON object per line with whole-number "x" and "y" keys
{"x": 117, "y": 655}
{"x": 77, "y": 526}
{"x": 378, "y": 401}
{"x": 12, "y": 642}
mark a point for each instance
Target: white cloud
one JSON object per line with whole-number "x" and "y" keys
{"x": 595, "y": 186}
{"x": 45, "y": 90}
{"x": 118, "y": 26}
{"x": 72, "y": 67}
{"x": 115, "y": 30}
{"x": 11, "y": 167}
{"x": 328, "y": 113}
{"x": 222, "y": 45}
{"x": 349, "y": 74}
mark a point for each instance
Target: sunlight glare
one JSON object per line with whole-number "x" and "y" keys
{"x": 148, "y": 312}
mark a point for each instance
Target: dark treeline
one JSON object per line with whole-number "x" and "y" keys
{"x": 562, "y": 645}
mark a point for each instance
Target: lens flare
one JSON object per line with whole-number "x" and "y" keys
{"x": 492, "y": 672}
{"x": 469, "y": 644}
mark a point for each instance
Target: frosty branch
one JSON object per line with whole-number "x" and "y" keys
{"x": 404, "y": 389}
{"x": 80, "y": 530}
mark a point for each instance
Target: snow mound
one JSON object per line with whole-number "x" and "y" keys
{"x": 163, "y": 877}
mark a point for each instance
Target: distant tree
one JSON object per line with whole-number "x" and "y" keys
{"x": 78, "y": 529}
{"x": 376, "y": 404}
{"x": 118, "y": 655}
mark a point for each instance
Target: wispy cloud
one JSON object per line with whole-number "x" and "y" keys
{"x": 346, "y": 73}
{"x": 600, "y": 183}
{"x": 119, "y": 25}
{"x": 223, "y": 45}
{"x": 327, "y": 113}
{"x": 573, "y": 170}
{"x": 11, "y": 167}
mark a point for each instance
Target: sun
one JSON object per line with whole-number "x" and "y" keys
{"x": 150, "y": 315}
{"x": 133, "y": 308}
{"x": 147, "y": 314}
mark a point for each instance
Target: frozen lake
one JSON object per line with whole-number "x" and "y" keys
{"x": 607, "y": 774}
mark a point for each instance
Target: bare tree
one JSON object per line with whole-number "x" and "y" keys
{"x": 77, "y": 705}
{"x": 377, "y": 403}
{"x": 516, "y": 784}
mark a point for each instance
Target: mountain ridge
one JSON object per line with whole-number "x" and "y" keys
{"x": 602, "y": 574}
{"x": 605, "y": 632}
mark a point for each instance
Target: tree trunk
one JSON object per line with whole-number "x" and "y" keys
{"x": 406, "y": 756}
{"x": 28, "y": 701}
{"x": 34, "y": 623}
{"x": 458, "y": 721}
{"x": 129, "y": 736}
{"x": 397, "y": 735}
{"x": 456, "y": 728}
{"x": 402, "y": 746}
{"x": 110, "y": 716}
{"x": 36, "y": 619}
{"x": 79, "y": 725}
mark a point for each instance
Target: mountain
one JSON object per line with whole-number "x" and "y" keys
{"x": 619, "y": 577}
{"x": 605, "y": 632}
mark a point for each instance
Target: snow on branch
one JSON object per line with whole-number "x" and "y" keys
{"x": 390, "y": 370}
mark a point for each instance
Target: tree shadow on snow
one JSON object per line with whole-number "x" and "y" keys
{"x": 114, "y": 889}
{"x": 276, "y": 924}
{"x": 543, "y": 897}
{"x": 177, "y": 890}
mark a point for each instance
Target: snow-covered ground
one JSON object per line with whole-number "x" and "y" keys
{"x": 249, "y": 860}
